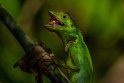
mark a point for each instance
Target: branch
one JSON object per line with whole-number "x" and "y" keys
{"x": 14, "y": 28}
{"x": 38, "y": 60}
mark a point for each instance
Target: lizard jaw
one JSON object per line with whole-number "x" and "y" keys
{"x": 54, "y": 21}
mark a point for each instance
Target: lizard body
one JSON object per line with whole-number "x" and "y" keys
{"x": 77, "y": 53}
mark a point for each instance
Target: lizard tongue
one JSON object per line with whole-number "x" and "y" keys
{"x": 53, "y": 22}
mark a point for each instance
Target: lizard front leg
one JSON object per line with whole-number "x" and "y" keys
{"x": 73, "y": 39}
{"x": 71, "y": 59}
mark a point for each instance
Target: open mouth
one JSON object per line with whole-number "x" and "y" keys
{"x": 54, "y": 21}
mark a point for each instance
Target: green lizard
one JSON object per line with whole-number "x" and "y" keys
{"x": 77, "y": 53}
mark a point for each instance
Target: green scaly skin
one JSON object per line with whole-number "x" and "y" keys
{"x": 77, "y": 53}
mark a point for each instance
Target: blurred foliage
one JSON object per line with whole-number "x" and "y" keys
{"x": 101, "y": 23}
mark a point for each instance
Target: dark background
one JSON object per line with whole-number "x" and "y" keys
{"x": 102, "y": 25}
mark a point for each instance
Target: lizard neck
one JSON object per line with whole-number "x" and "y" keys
{"x": 68, "y": 35}
{"x": 64, "y": 37}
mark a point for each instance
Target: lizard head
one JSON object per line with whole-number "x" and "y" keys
{"x": 59, "y": 21}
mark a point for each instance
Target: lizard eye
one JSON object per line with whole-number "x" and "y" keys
{"x": 64, "y": 16}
